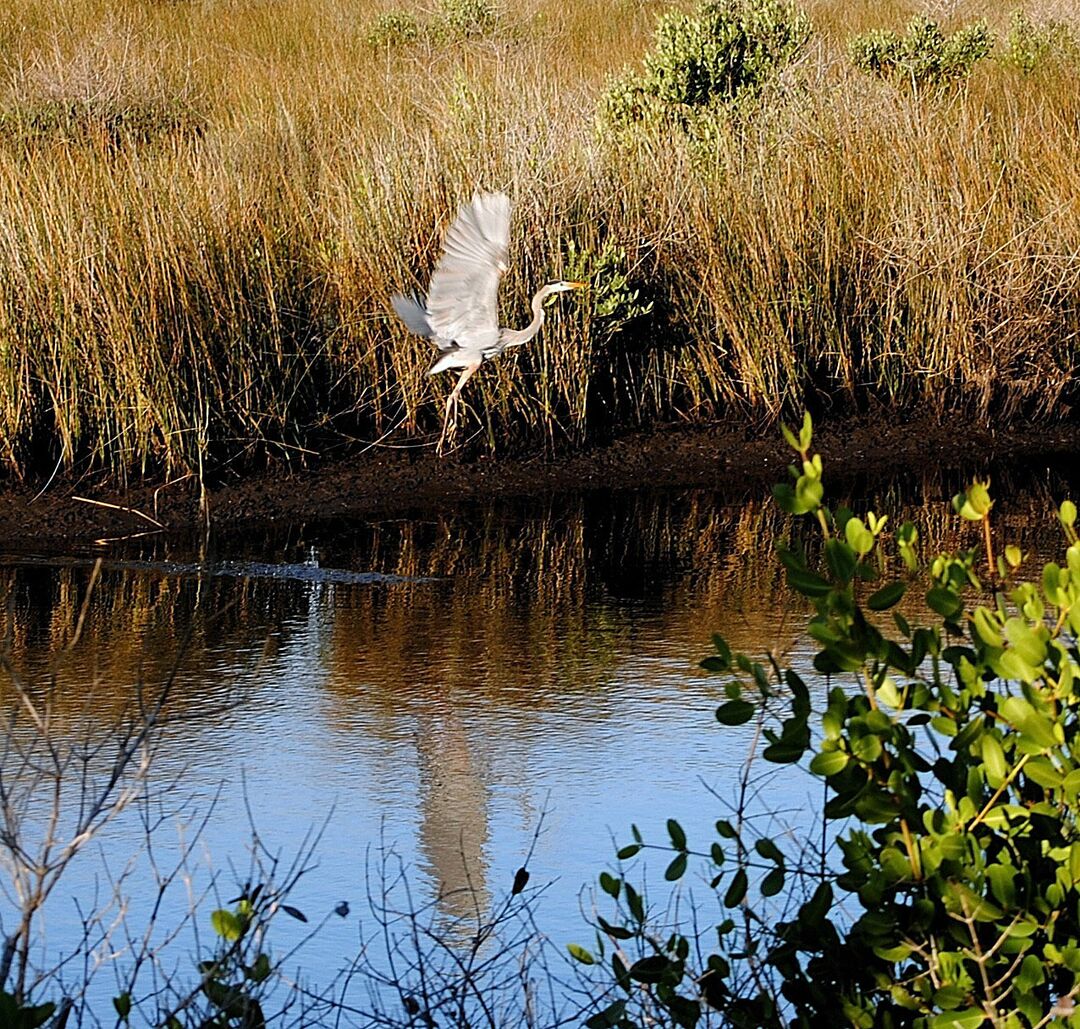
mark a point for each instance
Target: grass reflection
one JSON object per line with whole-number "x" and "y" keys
{"x": 549, "y": 612}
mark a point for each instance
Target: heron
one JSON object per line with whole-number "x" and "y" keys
{"x": 459, "y": 314}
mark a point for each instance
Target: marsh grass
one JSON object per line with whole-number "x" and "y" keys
{"x": 204, "y": 208}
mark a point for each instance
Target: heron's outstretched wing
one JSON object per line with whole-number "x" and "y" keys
{"x": 411, "y": 311}
{"x": 461, "y": 303}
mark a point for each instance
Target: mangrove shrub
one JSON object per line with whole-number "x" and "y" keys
{"x": 946, "y": 735}
{"x": 924, "y": 56}
{"x": 1029, "y": 44}
{"x": 700, "y": 61}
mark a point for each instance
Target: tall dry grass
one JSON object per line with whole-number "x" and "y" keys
{"x": 204, "y": 207}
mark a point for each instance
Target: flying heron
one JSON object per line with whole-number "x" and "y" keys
{"x": 459, "y": 314}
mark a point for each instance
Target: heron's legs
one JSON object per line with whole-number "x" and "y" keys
{"x": 452, "y": 406}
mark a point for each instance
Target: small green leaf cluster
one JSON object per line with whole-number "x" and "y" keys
{"x": 701, "y": 61}
{"x": 15, "y": 1014}
{"x": 661, "y": 969}
{"x": 949, "y": 748}
{"x": 614, "y": 301}
{"x": 923, "y": 57}
{"x": 465, "y": 19}
{"x": 231, "y": 980}
{"x": 455, "y": 19}
{"x": 234, "y": 979}
{"x": 393, "y": 29}
{"x": 1029, "y": 45}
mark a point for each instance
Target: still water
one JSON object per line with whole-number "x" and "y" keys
{"x": 465, "y": 689}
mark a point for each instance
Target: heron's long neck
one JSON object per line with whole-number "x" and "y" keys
{"x": 515, "y": 337}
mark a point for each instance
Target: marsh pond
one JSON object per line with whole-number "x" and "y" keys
{"x": 434, "y": 700}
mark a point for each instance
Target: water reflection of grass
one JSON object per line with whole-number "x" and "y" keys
{"x": 514, "y": 605}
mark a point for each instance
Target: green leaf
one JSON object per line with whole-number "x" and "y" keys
{"x": 812, "y": 913}
{"x": 651, "y": 969}
{"x": 975, "y": 504}
{"x": 723, "y": 651}
{"x": 609, "y": 1018}
{"x": 579, "y": 953}
{"x": 886, "y": 597}
{"x": 840, "y": 559}
{"x": 227, "y": 925}
{"x": 735, "y": 712}
{"x": 1067, "y": 514}
{"x": 808, "y": 583}
{"x": 736, "y": 890}
{"x": 678, "y": 837}
{"x": 800, "y": 694}
{"x": 32, "y": 1016}
{"x": 944, "y": 602}
{"x": 769, "y": 850}
{"x": 784, "y": 496}
{"x": 859, "y": 537}
{"x": 677, "y": 869}
{"x": 122, "y": 1004}
{"x": 898, "y": 953}
{"x": 1044, "y": 773}
{"x": 785, "y": 751}
{"x": 773, "y": 883}
{"x": 987, "y": 628}
{"x": 260, "y": 970}
{"x": 686, "y": 1012}
{"x": 616, "y": 932}
{"x": 1026, "y": 641}
{"x": 1034, "y": 726}
{"x": 1001, "y": 884}
{"x": 994, "y": 759}
{"x": 829, "y": 762}
{"x": 628, "y": 851}
{"x": 867, "y": 748}
{"x": 610, "y": 884}
{"x": 972, "y": 1018}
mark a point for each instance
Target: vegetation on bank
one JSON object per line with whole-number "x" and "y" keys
{"x": 205, "y": 207}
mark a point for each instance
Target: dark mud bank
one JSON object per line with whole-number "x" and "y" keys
{"x": 734, "y": 462}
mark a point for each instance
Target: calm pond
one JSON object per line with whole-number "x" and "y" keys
{"x": 460, "y": 688}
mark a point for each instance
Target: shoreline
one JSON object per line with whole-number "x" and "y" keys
{"x": 734, "y": 461}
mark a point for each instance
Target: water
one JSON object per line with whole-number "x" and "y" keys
{"x": 464, "y": 689}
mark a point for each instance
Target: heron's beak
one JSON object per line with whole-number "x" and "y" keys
{"x": 577, "y": 285}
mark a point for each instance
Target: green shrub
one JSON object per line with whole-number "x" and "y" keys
{"x": 456, "y": 19}
{"x": 614, "y": 302}
{"x": 392, "y": 29}
{"x": 724, "y": 50}
{"x": 925, "y": 56}
{"x": 468, "y": 17}
{"x": 1028, "y": 45}
{"x": 947, "y": 740}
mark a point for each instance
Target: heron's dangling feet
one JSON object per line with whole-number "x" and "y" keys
{"x": 449, "y": 425}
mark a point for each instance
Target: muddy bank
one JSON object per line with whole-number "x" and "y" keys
{"x": 735, "y": 462}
